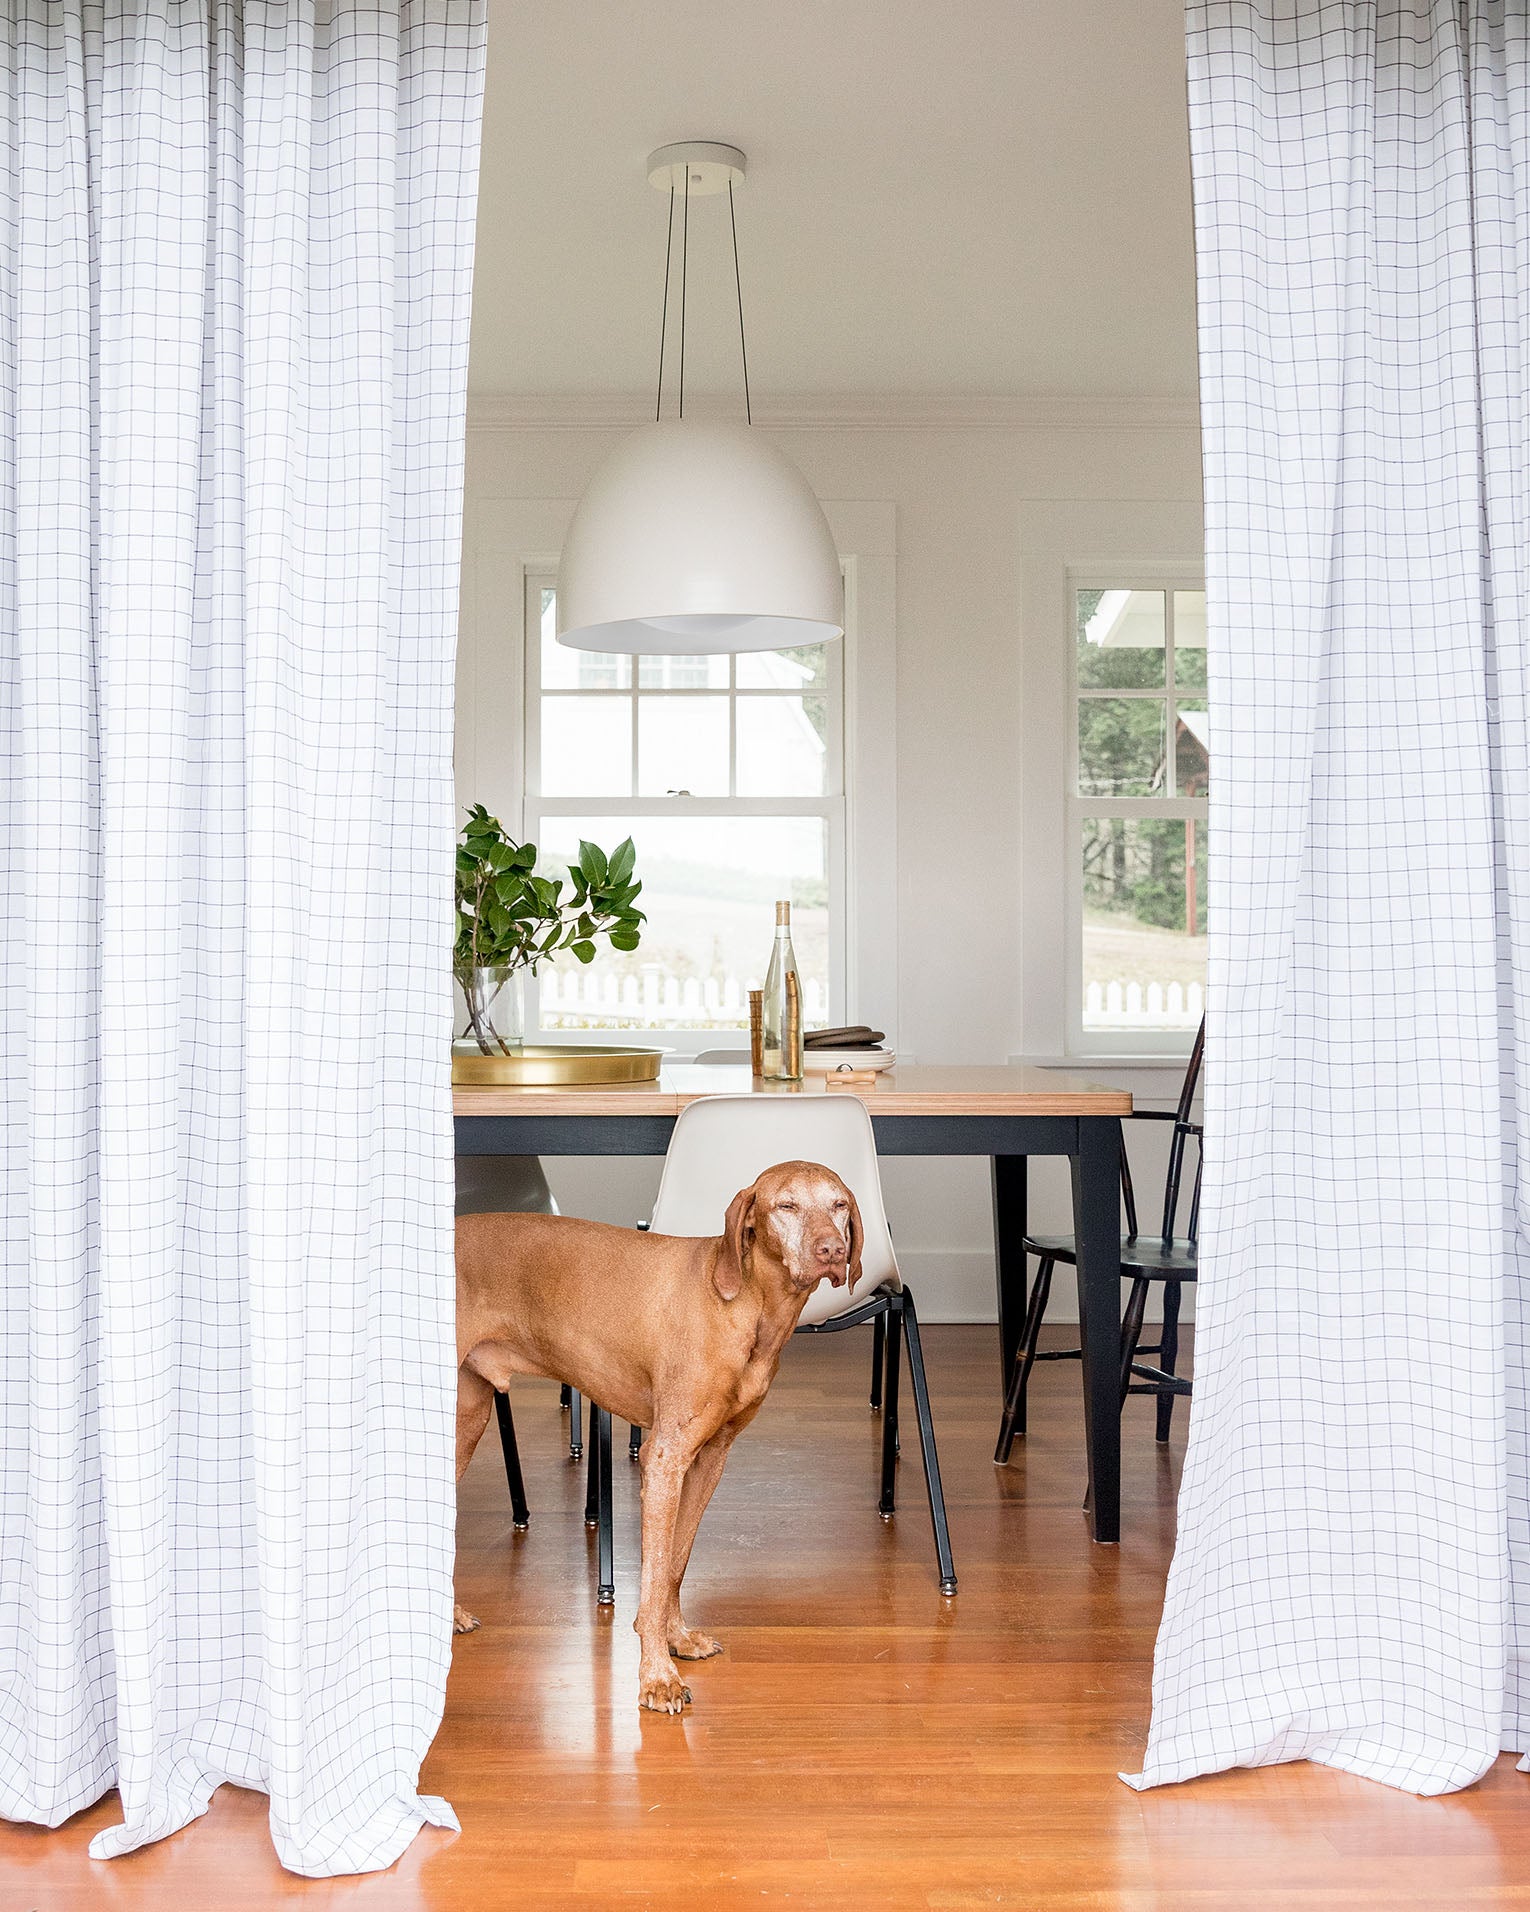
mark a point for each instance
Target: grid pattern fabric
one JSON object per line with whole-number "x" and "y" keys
{"x": 235, "y": 270}
{"x": 1352, "y": 1582}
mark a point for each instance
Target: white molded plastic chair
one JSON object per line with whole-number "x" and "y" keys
{"x": 720, "y": 1144}
{"x": 503, "y": 1185}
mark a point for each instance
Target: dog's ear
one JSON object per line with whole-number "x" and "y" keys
{"x": 857, "y": 1241}
{"x": 738, "y": 1233}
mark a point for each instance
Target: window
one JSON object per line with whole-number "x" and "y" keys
{"x": 727, "y": 772}
{"x": 1138, "y": 813}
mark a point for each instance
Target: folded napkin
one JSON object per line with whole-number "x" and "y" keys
{"x": 860, "y": 1036}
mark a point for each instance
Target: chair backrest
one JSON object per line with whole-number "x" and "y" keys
{"x": 503, "y": 1185}
{"x": 721, "y": 1143}
{"x": 1184, "y": 1128}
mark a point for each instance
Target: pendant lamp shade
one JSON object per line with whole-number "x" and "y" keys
{"x": 698, "y": 536}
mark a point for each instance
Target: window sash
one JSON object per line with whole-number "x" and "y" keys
{"x": 832, "y": 690}
{"x": 1079, "y": 807}
{"x": 831, "y": 807}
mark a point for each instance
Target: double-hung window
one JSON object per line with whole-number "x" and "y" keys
{"x": 728, "y": 774}
{"x": 1141, "y": 762}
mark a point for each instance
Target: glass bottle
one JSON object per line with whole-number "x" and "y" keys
{"x": 783, "y": 1006}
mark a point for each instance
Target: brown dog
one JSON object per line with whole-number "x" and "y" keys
{"x": 676, "y": 1334}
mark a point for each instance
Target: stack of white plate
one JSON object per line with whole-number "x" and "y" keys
{"x": 827, "y": 1061}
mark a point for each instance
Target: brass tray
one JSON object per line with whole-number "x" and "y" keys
{"x": 553, "y": 1066}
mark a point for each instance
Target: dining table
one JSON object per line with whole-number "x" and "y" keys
{"x": 1007, "y": 1112}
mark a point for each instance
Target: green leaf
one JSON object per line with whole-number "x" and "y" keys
{"x": 506, "y": 913}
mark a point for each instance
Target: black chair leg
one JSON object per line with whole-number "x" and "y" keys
{"x": 878, "y": 1358}
{"x": 634, "y": 1442}
{"x": 1168, "y": 1352}
{"x": 565, "y": 1395}
{"x": 592, "y": 1472}
{"x": 600, "y": 1441}
{"x": 894, "y": 1320}
{"x": 519, "y": 1512}
{"x": 575, "y": 1425}
{"x": 927, "y": 1447}
{"x": 1131, "y": 1332}
{"x": 1025, "y": 1359}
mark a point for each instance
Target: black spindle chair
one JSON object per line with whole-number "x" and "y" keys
{"x": 1166, "y": 1257}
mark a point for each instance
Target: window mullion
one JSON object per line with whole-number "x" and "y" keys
{"x": 1171, "y": 713}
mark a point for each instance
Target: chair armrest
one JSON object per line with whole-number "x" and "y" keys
{"x": 1150, "y": 1115}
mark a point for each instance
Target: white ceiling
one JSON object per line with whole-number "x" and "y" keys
{"x": 945, "y": 197}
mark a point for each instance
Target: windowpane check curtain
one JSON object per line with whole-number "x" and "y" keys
{"x": 235, "y": 258}
{"x": 1352, "y": 1583}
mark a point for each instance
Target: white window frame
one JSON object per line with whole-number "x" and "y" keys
{"x": 1138, "y": 576}
{"x": 833, "y": 807}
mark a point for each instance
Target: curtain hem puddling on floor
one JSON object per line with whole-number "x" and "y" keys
{"x": 235, "y": 269}
{"x": 1351, "y": 1584}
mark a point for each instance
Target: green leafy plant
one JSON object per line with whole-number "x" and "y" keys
{"x": 509, "y": 918}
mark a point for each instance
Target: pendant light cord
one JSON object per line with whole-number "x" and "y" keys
{"x": 685, "y": 258}
{"x": 738, "y": 286}
{"x": 669, "y": 243}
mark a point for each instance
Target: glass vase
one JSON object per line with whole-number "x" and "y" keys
{"x": 496, "y": 1010}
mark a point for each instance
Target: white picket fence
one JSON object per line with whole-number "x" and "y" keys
{"x": 1123, "y": 1005}
{"x": 574, "y": 999}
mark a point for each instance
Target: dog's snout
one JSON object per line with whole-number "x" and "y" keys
{"x": 831, "y": 1250}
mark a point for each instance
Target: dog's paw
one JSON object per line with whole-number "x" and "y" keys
{"x": 463, "y": 1621}
{"x": 668, "y": 1693}
{"x": 687, "y": 1644}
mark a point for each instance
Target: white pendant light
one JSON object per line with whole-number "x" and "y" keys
{"x": 697, "y": 536}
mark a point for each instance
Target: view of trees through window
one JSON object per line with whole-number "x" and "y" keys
{"x": 1140, "y": 805}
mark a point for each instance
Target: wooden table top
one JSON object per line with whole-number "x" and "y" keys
{"x": 1012, "y": 1089}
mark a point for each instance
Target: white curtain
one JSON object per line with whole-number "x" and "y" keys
{"x": 1352, "y": 1583}
{"x": 235, "y": 257}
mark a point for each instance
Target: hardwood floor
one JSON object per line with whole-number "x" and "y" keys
{"x": 861, "y": 1744}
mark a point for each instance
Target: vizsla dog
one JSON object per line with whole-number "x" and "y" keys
{"x": 679, "y": 1335}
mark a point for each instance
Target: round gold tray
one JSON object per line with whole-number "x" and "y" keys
{"x": 553, "y": 1065}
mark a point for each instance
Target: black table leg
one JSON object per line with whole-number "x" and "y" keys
{"x": 1097, "y": 1230}
{"x": 1009, "y": 1230}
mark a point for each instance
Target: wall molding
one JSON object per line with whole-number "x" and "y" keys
{"x": 871, "y": 412}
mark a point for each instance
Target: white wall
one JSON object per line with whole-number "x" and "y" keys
{"x": 987, "y": 507}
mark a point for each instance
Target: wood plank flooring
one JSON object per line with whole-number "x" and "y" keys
{"x": 861, "y": 1744}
